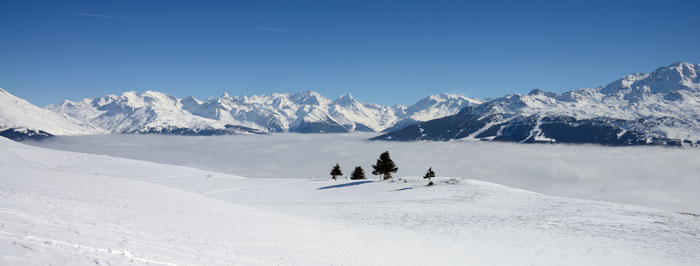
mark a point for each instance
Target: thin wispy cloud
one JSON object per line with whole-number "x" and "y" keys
{"x": 269, "y": 28}
{"x": 89, "y": 15}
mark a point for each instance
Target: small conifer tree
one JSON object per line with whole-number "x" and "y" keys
{"x": 336, "y": 171}
{"x": 384, "y": 166}
{"x": 358, "y": 173}
{"x": 429, "y": 175}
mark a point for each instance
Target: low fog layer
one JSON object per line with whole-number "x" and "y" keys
{"x": 665, "y": 178}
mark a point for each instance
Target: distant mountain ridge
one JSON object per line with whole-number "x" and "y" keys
{"x": 661, "y": 107}
{"x": 304, "y": 112}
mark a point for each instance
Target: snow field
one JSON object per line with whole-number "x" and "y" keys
{"x": 52, "y": 213}
{"x": 66, "y": 208}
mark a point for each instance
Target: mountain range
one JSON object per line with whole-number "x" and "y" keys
{"x": 661, "y": 107}
{"x": 157, "y": 112}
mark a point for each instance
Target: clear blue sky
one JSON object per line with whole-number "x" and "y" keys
{"x": 380, "y": 51}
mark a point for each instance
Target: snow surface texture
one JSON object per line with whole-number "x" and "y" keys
{"x": 135, "y": 112}
{"x": 64, "y": 208}
{"x": 18, "y": 113}
{"x": 665, "y": 178}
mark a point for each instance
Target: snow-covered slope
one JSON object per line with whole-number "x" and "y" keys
{"x": 274, "y": 113}
{"x": 20, "y": 117}
{"x": 362, "y": 116}
{"x": 298, "y": 112}
{"x": 64, "y": 208}
{"x": 431, "y": 107}
{"x": 640, "y": 108}
{"x": 135, "y": 112}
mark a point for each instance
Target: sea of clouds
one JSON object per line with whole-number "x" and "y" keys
{"x": 666, "y": 178}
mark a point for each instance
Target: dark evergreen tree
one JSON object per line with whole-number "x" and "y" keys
{"x": 336, "y": 171}
{"x": 358, "y": 173}
{"x": 385, "y": 166}
{"x": 429, "y": 175}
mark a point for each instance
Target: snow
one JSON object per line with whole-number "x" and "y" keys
{"x": 55, "y": 211}
{"x": 268, "y": 200}
{"x": 664, "y": 103}
{"x": 436, "y": 106}
{"x": 65, "y": 208}
{"x": 350, "y": 112}
{"x": 677, "y": 76}
{"x": 656, "y": 177}
{"x": 671, "y": 94}
{"x": 18, "y": 113}
{"x": 133, "y": 112}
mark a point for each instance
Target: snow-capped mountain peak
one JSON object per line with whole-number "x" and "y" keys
{"x": 133, "y": 112}
{"x": 439, "y": 105}
{"x": 345, "y": 100}
{"x": 676, "y": 77}
{"x": 306, "y": 111}
{"x": 635, "y": 109}
{"x": 309, "y": 98}
{"x": 190, "y": 100}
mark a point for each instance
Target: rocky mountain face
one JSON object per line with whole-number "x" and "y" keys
{"x": 304, "y": 112}
{"x": 661, "y": 107}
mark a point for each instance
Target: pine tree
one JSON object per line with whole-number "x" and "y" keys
{"x": 385, "y": 166}
{"x": 336, "y": 171}
{"x": 358, "y": 173}
{"x": 429, "y": 175}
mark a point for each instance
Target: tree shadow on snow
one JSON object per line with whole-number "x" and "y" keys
{"x": 346, "y": 184}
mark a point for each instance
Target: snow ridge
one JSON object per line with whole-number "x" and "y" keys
{"x": 134, "y": 112}
{"x": 663, "y": 104}
{"x": 671, "y": 92}
{"x": 18, "y": 114}
{"x": 297, "y": 112}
